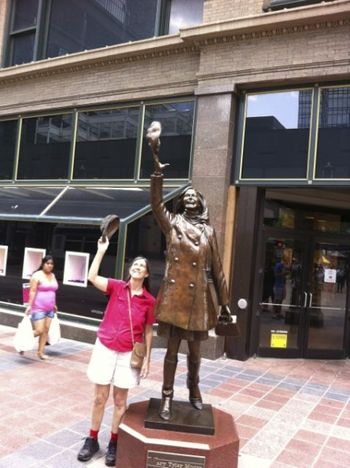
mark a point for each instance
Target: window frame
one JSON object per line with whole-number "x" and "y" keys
{"x": 242, "y": 118}
{"x": 41, "y": 29}
{"x": 135, "y": 180}
{"x": 311, "y": 179}
{"x": 273, "y": 5}
{"x": 18, "y": 130}
{"x": 41, "y": 25}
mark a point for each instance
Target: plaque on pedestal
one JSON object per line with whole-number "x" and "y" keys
{"x": 140, "y": 446}
{"x": 185, "y": 418}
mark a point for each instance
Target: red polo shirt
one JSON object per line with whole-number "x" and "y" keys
{"x": 114, "y": 331}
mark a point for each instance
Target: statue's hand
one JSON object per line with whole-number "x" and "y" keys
{"x": 154, "y": 131}
{"x": 152, "y": 135}
{"x": 225, "y": 314}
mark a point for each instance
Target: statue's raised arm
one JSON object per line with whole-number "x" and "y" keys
{"x": 152, "y": 135}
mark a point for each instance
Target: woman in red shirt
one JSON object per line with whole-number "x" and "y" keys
{"x": 110, "y": 360}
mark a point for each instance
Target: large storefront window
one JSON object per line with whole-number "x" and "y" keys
{"x": 296, "y": 137}
{"x": 333, "y": 144}
{"x": 68, "y": 26}
{"x": 177, "y": 124}
{"x": 65, "y": 223}
{"x": 8, "y": 132}
{"x": 277, "y": 135}
{"x": 45, "y": 147}
{"x": 106, "y": 144}
{"x": 56, "y": 239}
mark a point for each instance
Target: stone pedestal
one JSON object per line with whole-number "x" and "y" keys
{"x": 185, "y": 418}
{"x": 140, "y": 447}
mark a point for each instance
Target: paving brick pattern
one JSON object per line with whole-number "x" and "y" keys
{"x": 289, "y": 413}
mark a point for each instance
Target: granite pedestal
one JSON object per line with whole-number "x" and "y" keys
{"x": 139, "y": 446}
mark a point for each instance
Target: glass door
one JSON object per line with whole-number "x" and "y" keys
{"x": 327, "y": 288}
{"x": 284, "y": 297}
{"x": 304, "y": 297}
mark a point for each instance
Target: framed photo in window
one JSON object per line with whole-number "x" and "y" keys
{"x": 31, "y": 261}
{"x": 76, "y": 266}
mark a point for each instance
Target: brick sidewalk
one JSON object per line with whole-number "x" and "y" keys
{"x": 289, "y": 413}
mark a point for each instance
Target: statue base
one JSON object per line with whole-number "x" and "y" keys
{"x": 185, "y": 418}
{"x": 140, "y": 446}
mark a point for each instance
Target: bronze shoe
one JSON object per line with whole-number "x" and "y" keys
{"x": 165, "y": 410}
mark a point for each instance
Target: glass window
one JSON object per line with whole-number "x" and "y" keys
{"x": 106, "y": 144}
{"x": 277, "y": 135}
{"x": 45, "y": 147}
{"x": 22, "y": 48}
{"x": 184, "y": 13}
{"x": 99, "y": 202}
{"x": 177, "y": 125}
{"x": 76, "y": 26}
{"x": 25, "y": 14}
{"x": 333, "y": 142}
{"x": 8, "y": 133}
{"x": 306, "y": 218}
{"x": 279, "y": 4}
{"x": 56, "y": 239}
{"x": 19, "y": 201}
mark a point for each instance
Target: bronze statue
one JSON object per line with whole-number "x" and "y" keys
{"x": 185, "y": 307}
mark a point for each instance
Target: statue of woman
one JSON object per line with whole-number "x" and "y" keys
{"x": 193, "y": 283}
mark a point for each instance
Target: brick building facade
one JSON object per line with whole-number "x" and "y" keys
{"x": 239, "y": 49}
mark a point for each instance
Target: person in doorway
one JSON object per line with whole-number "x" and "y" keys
{"x": 129, "y": 302}
{"x": 42, "y": 302}
{"x": 279, "y": 288}
{"x": 194, "y": 281}
{"x": 340, "y": 279}
{"x": 269, "y": 281}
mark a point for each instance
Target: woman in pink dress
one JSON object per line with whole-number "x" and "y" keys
{"x": 42, "y": 301}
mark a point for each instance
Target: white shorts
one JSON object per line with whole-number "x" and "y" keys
{"x": 111, "y": 367}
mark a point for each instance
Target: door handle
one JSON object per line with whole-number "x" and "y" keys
{"x": 305, "y": 299}
{"x": 310, "y": 302}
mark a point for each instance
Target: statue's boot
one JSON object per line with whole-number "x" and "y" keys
{"x": 195, "y": 396}
{"x": 165, "y": 410}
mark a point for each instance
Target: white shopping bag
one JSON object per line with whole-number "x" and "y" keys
{"x": 54, "y": 331}
{"x": 24, "y": 338}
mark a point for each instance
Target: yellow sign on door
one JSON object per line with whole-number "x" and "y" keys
{"x": 278, "y": 340}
